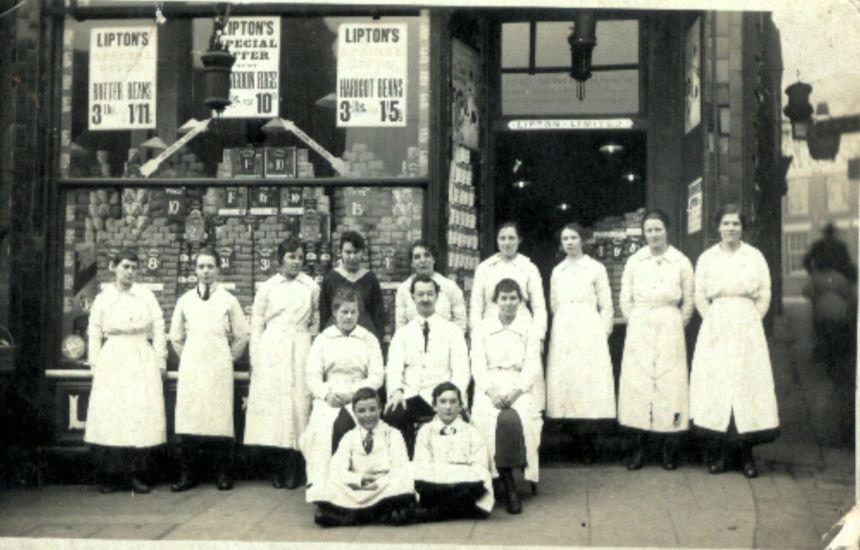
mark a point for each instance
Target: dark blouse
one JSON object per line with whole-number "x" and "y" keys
{"x": 372, "y": 315}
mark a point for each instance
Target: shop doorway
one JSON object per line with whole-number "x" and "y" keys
{"x": 569, "y": 178}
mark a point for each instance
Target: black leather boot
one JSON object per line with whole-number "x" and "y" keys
{"x": 513, "y": 504}
{"x": 637, "y": 457}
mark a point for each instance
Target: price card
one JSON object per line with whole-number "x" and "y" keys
{"x": 372, "y": 62}
{"x": 254, "y": 79}
{"x": 122, "y": 82}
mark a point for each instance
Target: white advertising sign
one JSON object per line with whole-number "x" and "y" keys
{"x": 692, "y": 81}
{"x": 255, "y": 78}
{"x": 694, "y": 206}
{"x": 372, "y": 62}
{"x": 122, "y": 83}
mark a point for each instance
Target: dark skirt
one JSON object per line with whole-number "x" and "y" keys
{"x": 120, "y": 460}
{"x": 510, "y": 441}
{"x": 731, "y": 436}
{"x": 371, "y": 514}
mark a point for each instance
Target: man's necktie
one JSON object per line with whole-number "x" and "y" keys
{"x": 368, "y": 442}
{"x": 205, "y": 292}
{"x": 426, "y": 332}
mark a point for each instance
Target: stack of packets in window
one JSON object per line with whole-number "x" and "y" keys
{"x": 183, "y": 163}
{"x": 614, "y": 239}
{"x": 363, "y": 162}
{"x": 265, "y": 162}
{"x": 463, "y": 242}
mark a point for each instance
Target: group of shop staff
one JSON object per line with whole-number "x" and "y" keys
{"x": 314, "y": 404}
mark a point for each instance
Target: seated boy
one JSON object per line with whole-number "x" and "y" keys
{"x": 451, "y": 464}
{"x": 369, "y": 478}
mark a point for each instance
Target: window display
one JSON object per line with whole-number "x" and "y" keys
{"x": 133, "y": 98}
{"x": 244, "y": 224}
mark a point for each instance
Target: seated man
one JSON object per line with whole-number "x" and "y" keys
{"x": 451, "y": 465}
{"x": 369, "y": 477}
{"x": 425, "y": 352}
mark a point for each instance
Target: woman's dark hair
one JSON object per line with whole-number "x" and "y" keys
{"x": 584, "y": 234}
{"x": 429, "y": 247}
{"x": 345, "y": 295}
{"x": 206, "y": 252}
{"x": 731, "y": 209}
{"x": 423, "y": 279}
{"x": 288, "y": 245}
{"x": 362, "y": 394}
{"x": 354, "y": 238}
{"x": 507, "y": 285}
{"x": 124, "y": 254}
{"x": 514, "y": 225}
{"x": 655, "y": 214}
{"x": 446, "y": 386}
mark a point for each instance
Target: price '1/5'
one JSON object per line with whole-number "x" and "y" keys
{"x": 389, "y": 111}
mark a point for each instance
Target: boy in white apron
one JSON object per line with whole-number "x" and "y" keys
{"x": 451, "y": 464}
{"x": 369, "y": 477}
{"x": 209, "y": 332}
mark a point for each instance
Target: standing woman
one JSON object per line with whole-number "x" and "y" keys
{"x": 451, "y": 305}
{"x": 350, "y": 274}
{"x": 508, "y": 263}
{"x": 505, "y": 364}
{"x": 125, "y": 418}
{"x": 732, "y": 396}
{"x": 342, "y": 359}
{"x": 284, "y": 318}
{"x": 657, "y": 301}
{"x": 580, "y": 383}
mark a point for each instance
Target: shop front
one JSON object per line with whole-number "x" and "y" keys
{"x": 400, "y": 123}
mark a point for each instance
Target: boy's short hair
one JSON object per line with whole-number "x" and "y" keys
{"x": 363, "y": 394}
{"x": 446, "y": 386}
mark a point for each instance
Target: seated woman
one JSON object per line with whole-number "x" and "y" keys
{"x": 343, "y": 358}
{"x": 450, "y": 466}
{"x": 505, "y": 364}
{"x": 369, "y": 476}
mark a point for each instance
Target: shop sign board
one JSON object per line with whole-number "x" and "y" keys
{"x": 571, "y": 124}
{"x": 255, "y": 77}
{"x": 694, "y": 206}
{"x": 372, "y": 62}
{"x": 122, "y": 84}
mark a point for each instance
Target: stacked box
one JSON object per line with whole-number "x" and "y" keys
{"x": 614, "y": 239}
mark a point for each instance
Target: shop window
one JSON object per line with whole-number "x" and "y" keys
{"x": 798, "y": 196}
{"x": 837, "y": 193}
{"x": 796, "y": 245}
{"x": 132, "y": 88}
{"x": 165, "y": 226}
{"x": 547, "y": 88}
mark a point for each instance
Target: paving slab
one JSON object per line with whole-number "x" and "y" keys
{"x": 720, "y": 528}
{"x": 133, "y": 531}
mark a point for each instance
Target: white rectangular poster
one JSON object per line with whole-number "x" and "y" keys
{"x": 694, "y": 206}
{"x": 122, "y": 85}
{"x": 254, "y": 81}
{"x": 372, "y": 62}
{"x": 692, "y": 79}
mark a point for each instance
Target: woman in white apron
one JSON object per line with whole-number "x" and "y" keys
{"x": 342, "y": 359}
{"x": 209, "y": 333}
{"x": 732, "y": 396}
{"x": 283, "y": 320}
{"x": 657, "y": 300}
{"x": 125, "y": 416}
{"x": 580, "y": 382}
{"x": 507, "y": 263}
{"x": 505, "y": 365}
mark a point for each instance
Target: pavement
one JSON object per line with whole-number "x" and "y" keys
{"x": 806, "y": 485}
